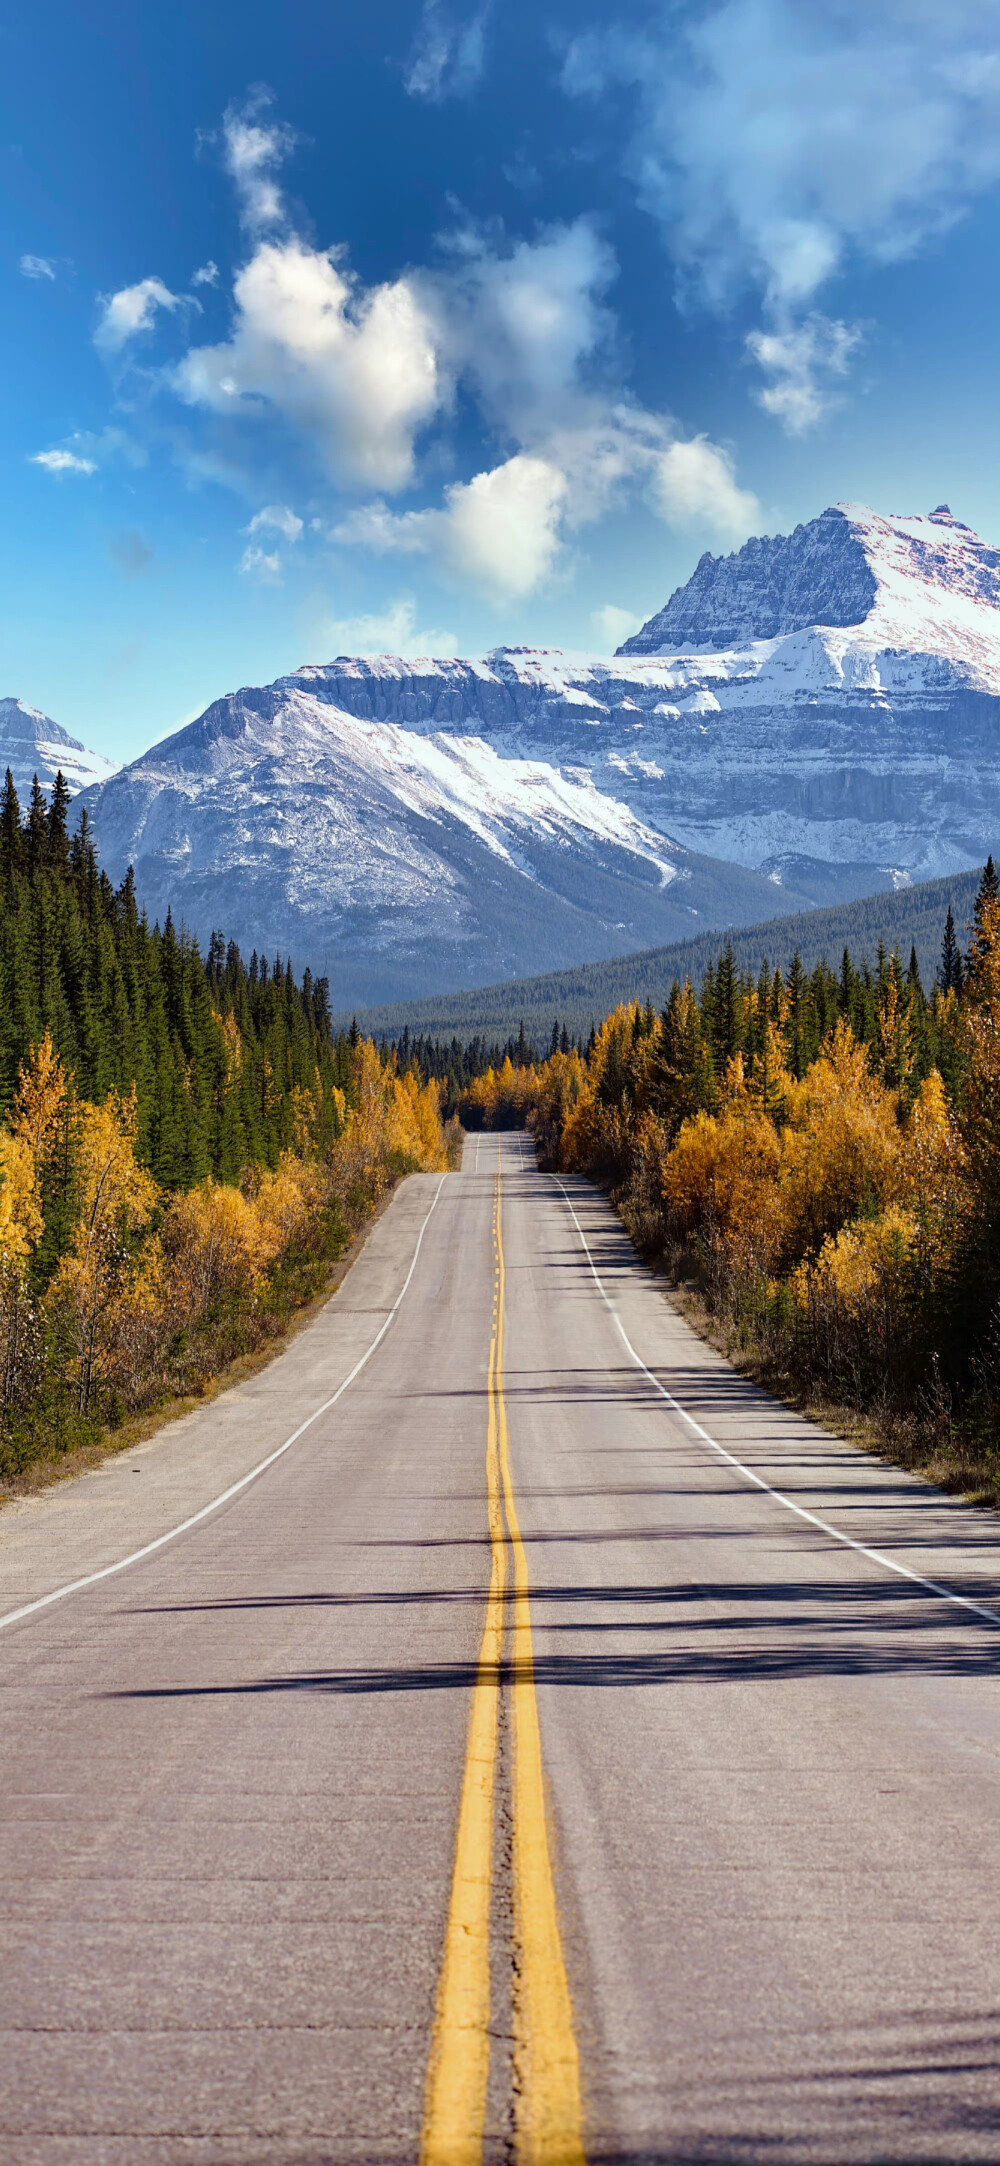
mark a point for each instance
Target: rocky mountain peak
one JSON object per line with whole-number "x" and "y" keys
{"x": 32, "y": 744}
{"x": 837, "y": 571}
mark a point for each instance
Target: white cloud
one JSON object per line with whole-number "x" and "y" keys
{"x": 695, "y": 486}
{"x": 360, "y": 374}
{"x": 774, "y": 139}
{"x": 261, "y": 565}
{"x": 374, "y": 526}
{"x": 613, "y": 625}
{"x": 521, "y": 321}
{"x": 448, "y": 53}
{"x": 499, "y": 532}
{"x": 355, "y": 372}
{"x": 63, "y": 462}
{"x": 254, "y": 148}
{"x": 37, "y": 267}
{"x": 505, "y": 531}
{"x": 801, "y": 364}
{"x": 276, "y": 519}
{"x": 132, "y": 310}
{"x": 207, "y": 275}
{"x": 394, "y": 632}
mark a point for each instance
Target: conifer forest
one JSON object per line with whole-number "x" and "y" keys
{"x": 185, "y": 1147}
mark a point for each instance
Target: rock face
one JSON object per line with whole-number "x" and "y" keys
{"x": 848, "y": 567}
{"x": 415, "y": 825}
{"x": 818, "y": 575}
{"x": 395, "y": 859}
{"x": 32, "y": 744}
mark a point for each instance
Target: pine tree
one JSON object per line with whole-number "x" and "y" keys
{"x": 987, "y": 896}
{"x": 950, "y": 973}
{"x": 37, "y": 827}
{"x": 58, "y": 832}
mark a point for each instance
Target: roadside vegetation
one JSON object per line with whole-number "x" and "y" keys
{"x": 185, "y": 1148}
{"x": 815, "y": 1159}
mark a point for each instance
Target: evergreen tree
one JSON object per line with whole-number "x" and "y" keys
{"x": 951, "y": 972}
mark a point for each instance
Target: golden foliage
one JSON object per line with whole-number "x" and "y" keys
{"x": 98, "y": 1289}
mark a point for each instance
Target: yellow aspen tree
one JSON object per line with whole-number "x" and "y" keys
{"x": 117, "y": 1198}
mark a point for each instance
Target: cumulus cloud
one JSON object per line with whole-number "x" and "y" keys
{"x": 131, "y": 552}
{"x": 37, "y": 267}
{"x": 506, "y": 530}
{"x": 359, "y": 376}
{"x": 448, "y": 53}
{"x": 63, "y": 462}
{"x": 206, "y": 275}
{"x": 773, "y": 139}
{"x": 276, "y": 519}
{"x": 132, "y": 310}
{"x": 801, "y": 363}
{"x": 696, "y": 486}
{"x": 356, "y": 372}
{"x": 499, "y": 532}
{"x": 394, "y": 631}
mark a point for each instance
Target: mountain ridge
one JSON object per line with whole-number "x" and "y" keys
{"x": 434, "y": 823}
{"x": 583, "y": 995}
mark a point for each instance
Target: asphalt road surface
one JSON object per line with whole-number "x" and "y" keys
{"x": 556, "y": 1752}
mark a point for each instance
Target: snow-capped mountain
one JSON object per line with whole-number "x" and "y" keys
{"x": 32, "y": 744}
{"x": 822, "y": 720}
{"x": 395, "y": 859}
{"x": 925, "y": 584}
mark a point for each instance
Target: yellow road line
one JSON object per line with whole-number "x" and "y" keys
{"x": 455, "y": 2105}
{"x": 549, "y": 2118}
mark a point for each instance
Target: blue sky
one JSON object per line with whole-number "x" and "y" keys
{"x": 430, "y": 327}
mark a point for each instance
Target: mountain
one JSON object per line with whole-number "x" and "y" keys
{"x": 826, "y": 726}
{"x": 32, "y": 744}
{"x": 584, "y": 995}
{"x": 925, "y": 584}
{"x": 398, "y": 861}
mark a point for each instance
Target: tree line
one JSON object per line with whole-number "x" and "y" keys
{"x": 820, "y": 1153}
{"x": 184, "y": 1144}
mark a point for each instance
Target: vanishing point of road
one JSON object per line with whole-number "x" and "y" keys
{"x": 497, "y": 1732}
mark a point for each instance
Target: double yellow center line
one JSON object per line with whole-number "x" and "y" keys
{"x": 547, "y": 2112}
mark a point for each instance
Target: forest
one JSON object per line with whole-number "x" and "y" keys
{"x": 185, "y": 1146}
{"x": 815, "y": 1157}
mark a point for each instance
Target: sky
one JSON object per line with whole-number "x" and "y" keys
{"x": 426, "y": 328}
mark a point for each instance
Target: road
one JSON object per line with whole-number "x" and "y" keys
{"x": 557, "y": 1752}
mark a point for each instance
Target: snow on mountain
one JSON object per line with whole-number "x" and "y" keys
{"x": 924, "y": 584}
{"x": 398, "y": 860}
{"x": 32, "y": 744}
{"x": 822, "y": 721}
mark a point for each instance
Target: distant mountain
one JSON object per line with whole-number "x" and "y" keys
{"x": 922, "y": 585}
{"x": 32, "y": 744}
{"x": 828, "y": 726}
{"x": 395, "y": 860}
{"x": 911, "y": 917}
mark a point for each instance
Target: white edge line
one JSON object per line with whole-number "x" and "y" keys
{"x": 964, "y": 1601}
{"x": 74, "y": 1586}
